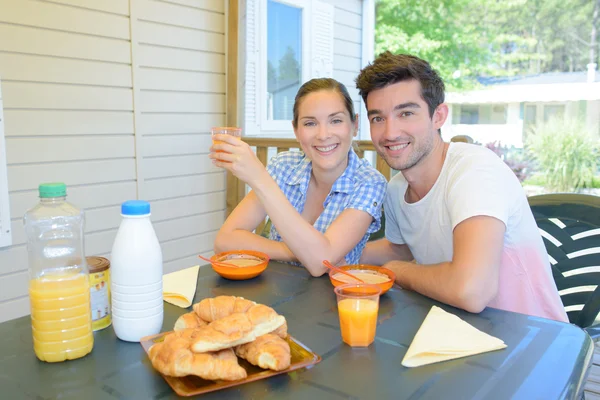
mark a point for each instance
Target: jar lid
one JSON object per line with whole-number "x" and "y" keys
{"x": 97, "y": 264}
{"x": 53, "y": 189}
{"x": 135, "y": 207}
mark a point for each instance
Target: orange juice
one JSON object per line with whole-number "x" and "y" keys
{"x": 358, "y": 320}
{"x": 225, "y": 130}
{"x": 61, "y": 320}
{"x": 220, "y": 141}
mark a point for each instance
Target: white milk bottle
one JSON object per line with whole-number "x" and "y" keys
{"x": 136, "y": 268}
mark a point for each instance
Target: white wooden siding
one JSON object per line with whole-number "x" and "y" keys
{"x": 347, "y": 47}
{"x": 180, "y": 59}
{"x": 24, "y": 122}
{"x": 178, "y": 68}
{"x": 119, "y": 7}
{"x": 5, "y": 223}
{"x": 31, "y": 40}
{"x": 67, "y": 92}
{"x": 353, "y": 6}
{"x": 115, "y": 117}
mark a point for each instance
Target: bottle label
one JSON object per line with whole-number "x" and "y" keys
{"x": 100, "y": 299}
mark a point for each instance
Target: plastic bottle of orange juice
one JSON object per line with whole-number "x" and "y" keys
{"x": 59, "y": 290}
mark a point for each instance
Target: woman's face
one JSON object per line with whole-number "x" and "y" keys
{"x": 325, "y": 130}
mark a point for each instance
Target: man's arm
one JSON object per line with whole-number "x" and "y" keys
{"x": 470, "y": 280}
{"x": 379, "y": 252}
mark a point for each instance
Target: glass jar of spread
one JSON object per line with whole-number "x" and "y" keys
{"x": 99, "y": 269}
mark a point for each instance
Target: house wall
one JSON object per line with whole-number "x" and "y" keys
{"x": 593, "y": 117}
{"x": 347, "y": 45}
{"x": 509, "y": 134}
{"x": 116, "y": 99}
{"x": 179, "y": 80}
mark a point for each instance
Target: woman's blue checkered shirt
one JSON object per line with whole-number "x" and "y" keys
{"x": 360, "y": 187}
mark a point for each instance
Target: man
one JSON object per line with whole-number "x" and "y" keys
{"x": 455, "y": 208}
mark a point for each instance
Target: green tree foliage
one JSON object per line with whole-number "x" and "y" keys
{"x": 465, "y": 39}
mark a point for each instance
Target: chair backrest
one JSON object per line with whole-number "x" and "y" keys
{"x": 570, "y": 226}
{"x": 462, "y": 138}
{"x": 381, "y": 232}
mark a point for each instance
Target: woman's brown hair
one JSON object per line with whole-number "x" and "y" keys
{"x": 318, "y": 84}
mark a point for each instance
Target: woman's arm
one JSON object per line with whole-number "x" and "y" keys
{"x": 236, "y": 232}
{"x": 309, "y": 245}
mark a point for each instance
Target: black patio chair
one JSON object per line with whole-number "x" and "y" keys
{"x": 570, "y": 226}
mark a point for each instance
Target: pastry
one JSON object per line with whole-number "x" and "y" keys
{"x": 237, "y": 329}
{"x": 268, "y": 351}
{"x": 189, "y": 320}
{"x": 173, "y": 357}
{"x": 215, "y": 308}
{"x": 281, "y": 331}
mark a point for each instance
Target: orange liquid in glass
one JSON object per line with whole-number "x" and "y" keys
{"x": 61, "y": 319}
{"x": 358, "y": 320}
{"x": 220, "y": 141}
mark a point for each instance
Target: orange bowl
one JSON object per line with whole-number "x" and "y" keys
{"x": 242, "y": 272}
{"x": 385, "y": 286}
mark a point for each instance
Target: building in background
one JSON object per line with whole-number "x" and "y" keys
{"x": 506, "y": 108}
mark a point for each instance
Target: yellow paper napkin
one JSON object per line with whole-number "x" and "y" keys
{"x": 444, "y": 336}
{"x": 179, "y": 287}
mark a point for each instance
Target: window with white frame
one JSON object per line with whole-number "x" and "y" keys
{"x": 287, "y": 43}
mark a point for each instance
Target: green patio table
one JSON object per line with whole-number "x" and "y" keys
{"x": 544, "y": 359}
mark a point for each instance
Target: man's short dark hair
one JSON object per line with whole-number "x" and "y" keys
{"x": 389, "y": 68}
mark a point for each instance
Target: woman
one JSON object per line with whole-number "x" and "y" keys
{"x": 323, "y": 202}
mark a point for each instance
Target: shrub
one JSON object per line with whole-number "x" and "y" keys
{"x": 565, "y": 153}
{"x": 512, "y": 157}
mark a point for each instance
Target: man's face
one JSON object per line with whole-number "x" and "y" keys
{"x": 402, "y": 131}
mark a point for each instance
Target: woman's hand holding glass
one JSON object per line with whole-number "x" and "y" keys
{"x": 237, "y": 157}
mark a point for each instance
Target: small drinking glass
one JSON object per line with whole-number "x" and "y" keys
{"x": 227, "y": 130}
{"x": 358, "y": 306}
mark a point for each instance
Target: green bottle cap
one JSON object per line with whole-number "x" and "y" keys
{"x": 54, "y": 189}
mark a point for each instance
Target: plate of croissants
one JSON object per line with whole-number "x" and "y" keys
{"x": 225, "y": 341}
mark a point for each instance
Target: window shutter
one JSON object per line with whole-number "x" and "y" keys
{"x": 321, "y": 40}
{"x": 252, "y": 75}
{"x": 5, "y": 235}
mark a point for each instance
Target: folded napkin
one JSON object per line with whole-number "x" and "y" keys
{"x": 179, "y": 287}
{"x": 444, "y": 336}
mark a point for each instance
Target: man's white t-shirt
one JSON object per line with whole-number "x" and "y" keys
{"x": 475, "y": 181}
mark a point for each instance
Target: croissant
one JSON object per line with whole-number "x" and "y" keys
{"x": 236, "y": 329}
{"x": 212, "y": 309}
{"x": 281, "y": 331}
{"x": 268, "y": 351}
{"x": 189, "y": 320}
{"x": 173, "y": 357}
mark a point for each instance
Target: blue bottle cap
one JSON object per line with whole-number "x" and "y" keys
{"x": 135, "y": 207}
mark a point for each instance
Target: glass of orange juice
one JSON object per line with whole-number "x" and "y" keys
{"x": 227, "y": 130}
{"x": 358, "y": 305}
